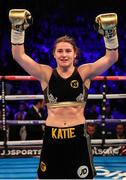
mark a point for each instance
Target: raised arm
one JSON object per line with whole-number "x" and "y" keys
{"x": 106, "y": 25}
{"x": 21, "y": 19}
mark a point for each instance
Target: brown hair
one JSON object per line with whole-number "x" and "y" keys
{"x": 66, "y": 39}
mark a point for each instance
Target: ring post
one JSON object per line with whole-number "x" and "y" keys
{"x": 103, "y": 131}
{"x": 4, "y": 127}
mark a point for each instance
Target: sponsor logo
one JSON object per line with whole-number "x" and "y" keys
{"x": 43, "y": 166}
{"x": 21, "y": 152}
{"x": 83, "y": 171}
{"x": 104, "y": 172}
{"x": 74, "y": 84}
{"x": 106, "y": 151}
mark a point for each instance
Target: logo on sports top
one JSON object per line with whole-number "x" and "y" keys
{"x": 74, "y": 84}
{"x": 82, "y": 171}
{"x": 43, "y": 166}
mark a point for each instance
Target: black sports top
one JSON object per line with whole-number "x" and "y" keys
{"x": 63, "y": 91}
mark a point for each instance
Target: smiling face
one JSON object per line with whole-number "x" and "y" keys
{"x": 65, "y": 51}
{"x": 64, "y": 54}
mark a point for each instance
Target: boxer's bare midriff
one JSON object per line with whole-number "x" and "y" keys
{"x": 65, "y": 116}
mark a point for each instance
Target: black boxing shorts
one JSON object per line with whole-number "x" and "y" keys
{"x": 66, "y": 154}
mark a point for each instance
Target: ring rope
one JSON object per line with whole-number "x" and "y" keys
{"x": 40, "y": 142}
{"x": 30, "y": 122}
{"x": 31, "y": 78}
{"x": 90, "y": 96}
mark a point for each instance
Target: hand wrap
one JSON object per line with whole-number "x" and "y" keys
{"x": 20, "y": 19}
{"x": 106, "y": 25}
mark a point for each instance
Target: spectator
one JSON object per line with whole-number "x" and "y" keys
{"x": 18, "y": 132}
{"x": 36, "y": 112}
{"x": 119, "y": 132}
{"x": 21, "y": 113}
{"x": 93, "y": 131}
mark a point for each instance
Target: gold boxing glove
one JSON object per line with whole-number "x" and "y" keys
{"x": 20, "y": 19}
{"x": 106, "y": 25}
